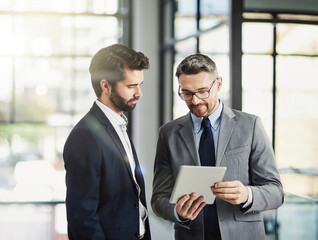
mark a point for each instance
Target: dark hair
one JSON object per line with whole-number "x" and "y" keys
{"x": 109, "y": 63}
{"x": 196, "y": 63}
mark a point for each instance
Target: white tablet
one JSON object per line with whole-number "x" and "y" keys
{"x": 197, "y": 179}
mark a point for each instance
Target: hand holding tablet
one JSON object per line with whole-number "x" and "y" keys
{"x": 197, "y": 179}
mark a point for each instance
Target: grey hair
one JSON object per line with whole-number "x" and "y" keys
{"x": 196, "y": 63}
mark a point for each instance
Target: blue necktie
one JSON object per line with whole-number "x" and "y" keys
{"x": 207, "y": 158}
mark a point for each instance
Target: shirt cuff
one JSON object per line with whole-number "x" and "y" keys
{"x": 249, "y": 199}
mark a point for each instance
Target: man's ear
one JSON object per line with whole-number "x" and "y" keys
{"x": 219, "y": 82}
{"x": 105, "y": 86}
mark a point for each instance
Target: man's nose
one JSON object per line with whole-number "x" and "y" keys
{"x": 195, "y": 100}
{"x": 138, "y": 92}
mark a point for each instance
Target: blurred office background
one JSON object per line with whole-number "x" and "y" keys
{"x": 266, "y": 52}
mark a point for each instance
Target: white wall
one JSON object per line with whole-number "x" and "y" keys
{"x": 146, "y": 114}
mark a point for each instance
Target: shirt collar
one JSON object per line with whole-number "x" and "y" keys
{"x": 214, "y": 118}
{"x": 114, "y": 118}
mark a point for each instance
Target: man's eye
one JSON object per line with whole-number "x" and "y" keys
{"x": 201, "y": 92}
{"x": 187, "y": 93}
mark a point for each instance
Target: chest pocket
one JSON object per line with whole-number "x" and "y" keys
{"x": 237, "y": 163}
{"x": 237, "y": 151}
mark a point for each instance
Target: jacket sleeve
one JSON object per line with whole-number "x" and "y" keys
{"x": 83, "y": 159}
{"x": 267, "y": 190}
{"x": 163, "y": 181}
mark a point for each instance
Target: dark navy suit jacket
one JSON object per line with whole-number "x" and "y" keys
{"x": 102, "y": 198}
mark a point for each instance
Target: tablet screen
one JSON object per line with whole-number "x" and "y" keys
{"x": 197, "y": 179}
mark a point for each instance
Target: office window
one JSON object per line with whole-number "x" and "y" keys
{"x": 45, "y": 52}
{"x": 280, "y": 84}
{"x": 297, "y": 126}
{"x": 292, "y": 101}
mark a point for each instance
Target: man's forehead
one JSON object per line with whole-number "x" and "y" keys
{"x": 132, "y": 76}
{"x": 196, "y": 79}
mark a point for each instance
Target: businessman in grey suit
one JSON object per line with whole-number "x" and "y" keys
{"x": 237, "y": 141}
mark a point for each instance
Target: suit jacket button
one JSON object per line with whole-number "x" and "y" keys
{"x": 137, "y": 235}
{"x": 137, "y": 206}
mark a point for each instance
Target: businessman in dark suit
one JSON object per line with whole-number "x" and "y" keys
{"x": 105, "y": 187}
{"x": 212, "y": 134}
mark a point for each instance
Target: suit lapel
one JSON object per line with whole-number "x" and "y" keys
{"x": 186, "y": 135}
{"x": 113, "y": 134}
{"x": 96, "y": 111}
{"x": 138, "y": 173}
{"x": 226, "y": 129}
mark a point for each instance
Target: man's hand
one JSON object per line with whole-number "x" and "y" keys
{"x": 189, "y": 208}
{"x": 233, "y": 192}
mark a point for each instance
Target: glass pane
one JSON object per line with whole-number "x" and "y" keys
{"x": 42, "y": 88}
{"x": 105, "y": 6}
{"x": 207, "y": 7}
{"x": 29, "y": 155}
{"x": 297, "y": 125}
{"x": 168, "y": 78}
{"x": 209, "y": 21}
{"x": 85, "y": 94}
{"x": 257, "y": 38}
{"x": 5, "y": 5}
{"x": 216, "y": 40}
{"x": 257, "y": 87}
{"x": 187, "y": 7}
{"x": 111, "y": 6}
{"x": 6, "y": 40}
{"x": 297, "y": 39}
{"x": 43, "y": 5}
{"x": 185, "y": 26}
{"x": 185, "y": 23}
{"x": 80, "y": 6}
{"x": 187, "y": 47}
{"x": 297, "y": 218}
{"x": 106, "y": 31}
{"x": 43, "y": 35}
{"x": 5, "y": 88}
{"x": 96, "y": 6}
{"x": 215, "y": 7}
{"x": 222, "y": 63}
{"x": 36, "y": 221}
{"x": 179, "y": 106}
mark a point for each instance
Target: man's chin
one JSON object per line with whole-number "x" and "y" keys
{"x": 133, "y": 107}
{"x": 198, "y": 112}
{"x": 130, "y": 107}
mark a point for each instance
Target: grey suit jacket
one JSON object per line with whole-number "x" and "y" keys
{"x": 244, "y": 148}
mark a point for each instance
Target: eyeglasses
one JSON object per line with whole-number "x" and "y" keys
{"x": 187, "y": 95}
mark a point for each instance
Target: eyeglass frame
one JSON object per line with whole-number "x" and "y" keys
{"x": 195, "y": 93}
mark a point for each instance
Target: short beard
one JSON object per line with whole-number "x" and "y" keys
{"x": 119, "y": 102}
{"x": 191, "y": 110}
